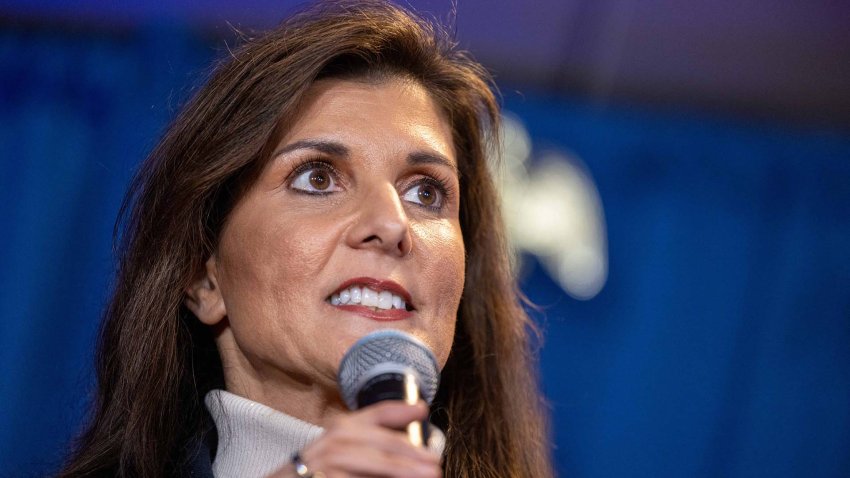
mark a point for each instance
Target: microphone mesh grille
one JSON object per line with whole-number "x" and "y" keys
{"x": 387, "y": 347}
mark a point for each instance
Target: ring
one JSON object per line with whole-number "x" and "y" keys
{"x": 301, "y": 468}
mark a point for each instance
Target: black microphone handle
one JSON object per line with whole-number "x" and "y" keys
{"x": 395, "y": 386}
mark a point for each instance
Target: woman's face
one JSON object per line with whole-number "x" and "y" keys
{"x": 360, "y": 201}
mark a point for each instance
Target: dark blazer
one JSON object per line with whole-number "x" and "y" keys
{"x": 200, "y": 456}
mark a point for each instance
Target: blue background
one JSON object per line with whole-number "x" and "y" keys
{"x": 720, "y": 345}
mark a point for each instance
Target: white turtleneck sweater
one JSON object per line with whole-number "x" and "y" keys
{"x": 255, "y": 440}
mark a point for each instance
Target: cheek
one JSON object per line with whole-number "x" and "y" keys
{"x": 267, "y": 264}
{"x": 453, "y": 270}
{"x": 444, "y": 276}
{"x": 270, "y": 262}
{"x": 444, "y": 257}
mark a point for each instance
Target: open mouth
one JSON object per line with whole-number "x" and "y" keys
{"x": 378, "y": 295}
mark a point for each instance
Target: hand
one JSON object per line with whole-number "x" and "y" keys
{"x": 367, "y": 443}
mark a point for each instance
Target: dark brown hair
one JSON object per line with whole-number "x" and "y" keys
{"x": 155, "y": 360}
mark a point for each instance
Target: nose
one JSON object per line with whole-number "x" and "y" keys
{"x": 381, "y": 224}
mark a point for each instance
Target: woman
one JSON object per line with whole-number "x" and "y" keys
{"x": 342, "y": 153}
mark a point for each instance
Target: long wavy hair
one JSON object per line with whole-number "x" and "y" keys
{"x": 155, "y": 361}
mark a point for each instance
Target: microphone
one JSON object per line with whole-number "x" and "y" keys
{"x": 390, "y": 365}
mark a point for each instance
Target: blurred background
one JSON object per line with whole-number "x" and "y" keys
{"x": 676, "y": 178}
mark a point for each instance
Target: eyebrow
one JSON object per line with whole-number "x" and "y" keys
{"x": 328, "y": 147}
{"x": 334, "y": 148}
{"x": 424, "y": 157}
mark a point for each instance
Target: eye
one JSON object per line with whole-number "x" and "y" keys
{"x": 315, "y": 179}
{"x": 425, "y": 194}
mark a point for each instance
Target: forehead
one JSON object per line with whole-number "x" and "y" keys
{"x": 393, "y": 113}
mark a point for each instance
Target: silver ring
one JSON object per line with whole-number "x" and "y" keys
{"x": 300, "y": 467}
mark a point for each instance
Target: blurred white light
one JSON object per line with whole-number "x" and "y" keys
{"x": 552, "y": 209}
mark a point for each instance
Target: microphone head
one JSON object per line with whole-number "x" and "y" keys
{"x": 387, "y": 351}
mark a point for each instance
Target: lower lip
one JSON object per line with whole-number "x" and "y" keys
{"x": 379, "y": 314}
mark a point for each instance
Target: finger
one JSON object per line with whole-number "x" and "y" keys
{"x": 368, "y": 442}
{"x": 373, "y": 437}
{"x": 375, "y": 462}
{"x": 391, "y": 413}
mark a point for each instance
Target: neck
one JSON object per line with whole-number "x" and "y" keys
{"x": 313, "y": 399}
{"x": 309, "y": 402}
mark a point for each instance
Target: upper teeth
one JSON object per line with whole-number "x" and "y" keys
{"x": 368, "y": 297}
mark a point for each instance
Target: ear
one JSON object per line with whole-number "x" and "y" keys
{"x": 204, "y": 297}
